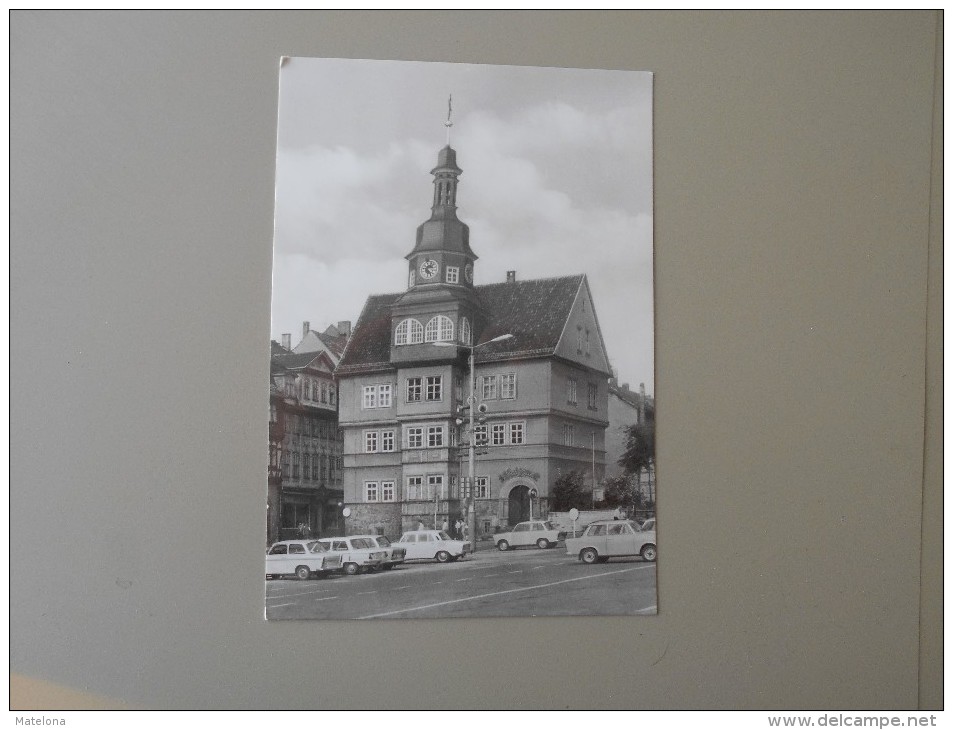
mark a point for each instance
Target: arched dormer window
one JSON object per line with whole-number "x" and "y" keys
{"x": 409, "y": 332}
{"x": 439, "y": 329}
{"x": 465, "y": 334}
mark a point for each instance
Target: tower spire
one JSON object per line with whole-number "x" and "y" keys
{"x": 449, "y": 122}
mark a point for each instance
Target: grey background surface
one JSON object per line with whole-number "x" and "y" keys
{"x": 798, "y": 254}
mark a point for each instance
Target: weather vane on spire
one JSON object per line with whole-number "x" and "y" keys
{"x": 449, "y": 123}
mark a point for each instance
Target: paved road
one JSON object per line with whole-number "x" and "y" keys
{"x": 526, "y": 582}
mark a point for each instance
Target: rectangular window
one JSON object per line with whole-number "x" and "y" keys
{"x": 435, "y": 487}
{"x": 415, "y": 487}
{"x": 458, "y": 388}
{"x": 435, "y": 387}
{"x": 387, "y": 440}
{"x": 370, "y": 491}
{"x": 331, "y": 394}
{"x": 324, "y": 392}
{"x": 453, "y": 436}
{"x": 499, "y": 434}
{"x": 434, "y": 436}
{"x": 370, "y": 396}
{"x": 571, "y": 391}
{"x": 508, "y": 385}
{"x": 587, "y": 342}
{"x": 415, "y": 437}
{"x": 370, "y": 441}
{"x": 488, "y": 387}
{"x": 383, "y": 396}
{"x": 453, "y": 274}
{"x": 294, "y": 466}
{"x": 413, "y": 390}
{"x": 306, "y": 466}
{"x": 479, "y": 436}
{"x": 593, "y": 393}
{"x": 482, "y": 488}
{"x": 387, "y": 492}
{"x": 516, "y": 433}
{"x": 567, "y": 434}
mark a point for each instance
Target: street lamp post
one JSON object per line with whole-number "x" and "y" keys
{"x": 471, "y": 491}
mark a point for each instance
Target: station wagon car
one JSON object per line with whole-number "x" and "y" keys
{"x": 301, "y": 558}
{"x": 606, "y": 539}
{"x": 432, "y": 545}
{"x": 357, "y": 553}
{"x": 535, "y": 532}
{"x": 393, "y": 554}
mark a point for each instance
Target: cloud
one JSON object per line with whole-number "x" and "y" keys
{"x": 548, "y": 190}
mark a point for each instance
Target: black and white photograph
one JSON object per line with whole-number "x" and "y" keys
{"x": 462, "y": 410}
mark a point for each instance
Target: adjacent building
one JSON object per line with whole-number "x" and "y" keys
{"x": 627, "y": 408}
{"x": 305, "y": 445}
{"x": 404, "y": 381}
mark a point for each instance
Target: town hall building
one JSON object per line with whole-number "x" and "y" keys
{"x": 541, "y": 389}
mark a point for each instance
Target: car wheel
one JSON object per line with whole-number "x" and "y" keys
{"x": 443, "y": 556}
{"x": 589, "y": 556}
{"x": 389, "y": 566}
{"x": 352, "y": 568}
{"x": 542, "y": 543}
{"x": 503, "y": 545}
{"x": 303, "y": 572}
{"x": 649, "y": 553}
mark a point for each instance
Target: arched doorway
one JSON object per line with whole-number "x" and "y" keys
{"x": 519, "y": 504}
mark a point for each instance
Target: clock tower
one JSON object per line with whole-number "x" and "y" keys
{"x": 440, "y": 303}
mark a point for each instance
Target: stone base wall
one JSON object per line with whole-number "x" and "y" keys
{"x": 374, "y": 519}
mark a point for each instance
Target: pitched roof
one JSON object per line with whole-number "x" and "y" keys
{"x": 294, "y": 360}
{"x": 335, "y": 343}
{"x": 534, "y": 311}
{"x": 277, "y": 349}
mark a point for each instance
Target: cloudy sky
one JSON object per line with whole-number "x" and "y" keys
{"x": 557, "y": 179}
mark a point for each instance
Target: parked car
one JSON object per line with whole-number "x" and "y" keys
{"x": 393, "y": 554}
{"x": 432, "y": 545}
{"x": 357, "y": 553}
{"x": 535, "y": 532}
{"x": 302, "y": 558}
{"x": 604, "y": 539}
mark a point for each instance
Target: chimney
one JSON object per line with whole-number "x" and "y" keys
{"x": 305, "y": 329}
{"x": 286, "y": 340}
{"x": 510, "y": 277}
{"x": 344, "y": 327}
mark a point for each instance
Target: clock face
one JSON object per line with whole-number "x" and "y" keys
{"x": 429, "y": 268}
{"x": 468, "y": 272}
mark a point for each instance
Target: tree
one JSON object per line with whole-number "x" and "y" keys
{"x": 568, "y": 493}
{"x": 620, "y": 492}
{"x": 639, "y": 451}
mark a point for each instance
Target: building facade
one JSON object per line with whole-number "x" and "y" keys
{"x": 305, "y": 475}
{"x": 627, "y": 408}
{"x": 540, "y": 392}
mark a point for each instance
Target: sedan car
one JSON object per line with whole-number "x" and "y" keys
{"x": 393, "y": 554}
{"x": 302, "y": 558}
{"x": 432, "y": 545}
{"x": 606, "y": 539}
{"x": 541, "y": 534}
{"x": 357, "y": 553}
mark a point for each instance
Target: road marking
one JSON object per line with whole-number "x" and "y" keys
{"x": 491, "y": 575}
{"x": 437, "y": 582}
{"x": 514, "y": 571}
{"x": 537, "y": 567}
{"x": 511, "y": 590}
{"x": 402, "y": 588}
{"x": 365, "y": 593}
{"x": 280, "y": 605}
{"x": 460, "y": 580}
{"x": 306, "y": 593}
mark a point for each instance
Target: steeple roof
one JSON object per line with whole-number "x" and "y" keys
{"x": 443, "y": 231}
